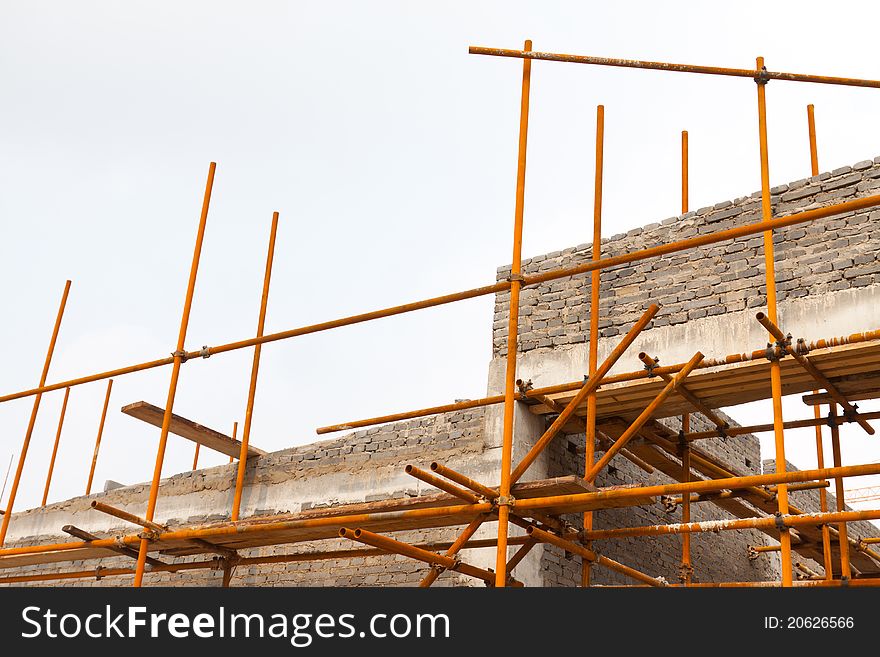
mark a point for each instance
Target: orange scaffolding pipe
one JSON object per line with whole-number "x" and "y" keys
{"x": 593, "y": 355}
{"x": 175, "y": 373}
{"x": 255, "y": 368}
{"x": 512, "y": 330}
{"x": 675, "y": 68}
{"x": 98, "y": 439}
{"x": 853, "y": 205}
{"x": 55, "y": 447}
{"x": 10, "y": 502}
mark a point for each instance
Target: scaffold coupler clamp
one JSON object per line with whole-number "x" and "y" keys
{"x": 831, "y": 420}
{"x": 98, "y": 575}
{"x": 753, "y": 553}
{"x": 779, "y": 519}
{"x": 801, "y": 347}
{"x": 762, "y": 77}
{"x": 851, "y": 413}
{"x": 504, "y": 500}
{"x": 722, "y": 431}
{"x": 650, "y": 367}
{"x": 685, "y": 572}
{"x": 524, "y": 386}
{"x": 181, "y": 354}
{"x": 770, "y": 353}
{"x": 149, "y": 535}
{"x": 510, "y": 278}
{"x": 669, "y": 504}
{"x": 205, "y": 351}
{"x": 569, "y": 530}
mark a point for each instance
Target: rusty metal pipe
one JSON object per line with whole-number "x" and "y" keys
{"x": 455, "y": 548}
{"x": 673, "y": 68}
{"x": 708, "y": 497}
{"x": 10, "y": 502}
{"x": 812, "y": 370}
{"x": 463, "y": 480}
{"x": 521, "y": 554}
{"x": 442, "y": 484}
{"x": 684, "y": 171}
{"x": 853, "y": 205}
{"x": 687, "y": 569}
{"x": 98, "y": 439}
{"x": 175, "y": 372}
{"x": 768, "y": 522}
{"x": 55, "y": 446}
{"x": 406, "y": 550}
{"x": 820, "y": 463}
{"x": 770, "y": 279}
{"x": 790, "y": 424}
{"x": 246, "y": 561}
{"x": 590, "y": 385}
{"x": 512, "y": 331}
{"x": 571, "y": 501}
{"x": 839, "y": 493}
{"x": 811, "y": 131}
{"x": 643, "y": 417}
{"x": 682, "y": 390}
{"x": 255, "y": 368}
{"x": 128, "y": 517}
{"x": 590, "y": 555}
{"x": 605, "y": 443}
{"x": 593, "y": 353}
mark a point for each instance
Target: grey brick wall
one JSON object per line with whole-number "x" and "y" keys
{"x": 830, "y": 254}
{"x": 721, "y": 556}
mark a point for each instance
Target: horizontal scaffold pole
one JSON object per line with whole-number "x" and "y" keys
{"x": 673, "y": 68}
{"x": 754, "y": 228}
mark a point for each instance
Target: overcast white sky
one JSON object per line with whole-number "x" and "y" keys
{"x": 391, "y": 155}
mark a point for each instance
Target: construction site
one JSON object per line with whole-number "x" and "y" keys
{"x": 606, "y": 451}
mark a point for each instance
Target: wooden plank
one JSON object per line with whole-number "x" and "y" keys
{"x": 731, "y": 385}
{"x": 855, "y": 387}
{"x": 190, "y": 430}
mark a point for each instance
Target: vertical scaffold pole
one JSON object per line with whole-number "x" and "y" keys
{"x": 175, "y": 373}
{"x": 512, "y": 328}
{"x": 820, "y": 449}
{"x": 590, "y": 437}
{"x": 770, "y": 278}
{"x": 685, "y": 183}
{"x": 845, "y": 570}
{"x": 255, "y": 368}
{"x": 98, "y": 439}
{"x": 687, "y": 569}
{"x": 4, "y": 525}
{"x": 55, "y": 446}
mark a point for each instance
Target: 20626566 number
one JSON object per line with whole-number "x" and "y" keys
{"x": 809, "y": 622}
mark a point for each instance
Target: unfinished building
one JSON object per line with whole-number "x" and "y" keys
{"x": 589, "y": 462}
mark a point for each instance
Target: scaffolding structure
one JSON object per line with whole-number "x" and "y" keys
{"x": 826, "y": 367}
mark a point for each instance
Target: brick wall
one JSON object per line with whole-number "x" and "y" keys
{"x": 822, "y": 256}
{"x": 721, "y": 556}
